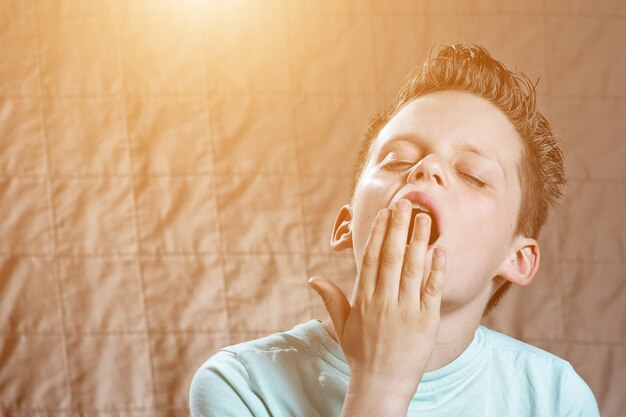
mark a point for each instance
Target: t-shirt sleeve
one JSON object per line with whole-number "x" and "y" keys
{"x": 577, "y": 399}
{"x": 222, "y": 387}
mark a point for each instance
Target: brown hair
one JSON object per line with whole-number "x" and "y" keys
{"x": 471, "y": 68}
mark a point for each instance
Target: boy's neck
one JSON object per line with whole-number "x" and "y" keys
{"x": 456, "y": 333}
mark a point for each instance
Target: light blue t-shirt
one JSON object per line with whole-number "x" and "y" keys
{"x": 303, "y": 372}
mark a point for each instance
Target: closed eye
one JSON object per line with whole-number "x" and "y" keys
{"x": 393, "y": 164}
{"x": 473, "y": 180}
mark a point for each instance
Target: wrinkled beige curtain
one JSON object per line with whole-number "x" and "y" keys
{"x": 170, "y": 172}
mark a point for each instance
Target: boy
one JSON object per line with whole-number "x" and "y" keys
{"x": 464, "y": 149}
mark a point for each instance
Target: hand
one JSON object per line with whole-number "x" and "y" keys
{"x": 388, "y": 332}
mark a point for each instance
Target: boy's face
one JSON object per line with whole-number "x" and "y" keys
{"x": 422, "y": 149}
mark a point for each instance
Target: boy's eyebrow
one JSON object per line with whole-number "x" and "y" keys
{"x": 467, "y": 147}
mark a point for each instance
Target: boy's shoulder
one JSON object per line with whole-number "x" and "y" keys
{"x": 508, "y": 346}
{"x": 553, "y": 379}
{"x": 499, "y": 340}
{"x": 284, "y": 352}
{"x": 281, "y": 340}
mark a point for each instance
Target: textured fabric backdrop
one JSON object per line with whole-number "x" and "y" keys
{"x": 170, "y": 172}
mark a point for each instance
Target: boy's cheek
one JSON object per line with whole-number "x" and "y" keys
{"x": 361, "y": 230}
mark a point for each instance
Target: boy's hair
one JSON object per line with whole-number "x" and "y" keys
{"x": 541, "y": 174}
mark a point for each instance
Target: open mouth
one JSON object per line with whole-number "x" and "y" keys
{"x": 434, "y": 229}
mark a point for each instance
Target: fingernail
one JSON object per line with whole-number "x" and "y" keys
{"x": 311, "y": 280}
{"x": 403, "y": 206}
{"x": 439, "y": 251}
{"x": 422, "y": 220}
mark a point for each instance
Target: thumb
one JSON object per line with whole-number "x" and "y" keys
{"x": 335, "y": 301}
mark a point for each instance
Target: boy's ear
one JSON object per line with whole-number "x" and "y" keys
{"x": 521, "y": 265}
{"x": 342, "y": 230}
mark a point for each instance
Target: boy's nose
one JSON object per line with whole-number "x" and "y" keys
{"x": 427, "y": 168}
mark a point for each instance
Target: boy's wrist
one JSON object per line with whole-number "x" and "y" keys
{"x": 384, "y": 387}
{"x": 364, "y": 400}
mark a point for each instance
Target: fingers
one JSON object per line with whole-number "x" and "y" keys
{"x": 367, "y": 276}
{"x": 413, "y": 270}
{"x": 387, "y": 273}
{"x": 431, "y": 297}
{"x": 392, "y": 256}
